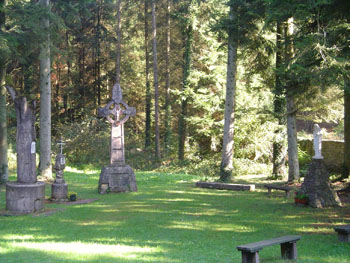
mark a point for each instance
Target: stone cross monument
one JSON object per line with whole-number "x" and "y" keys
{"x": 59, "y": 189}
{"x": 118, "y": 176}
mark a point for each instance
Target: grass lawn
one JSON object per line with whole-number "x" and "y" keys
{"x": 168, "y": 220}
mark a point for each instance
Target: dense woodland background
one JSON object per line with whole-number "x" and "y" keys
{"x": 182, "y": 123}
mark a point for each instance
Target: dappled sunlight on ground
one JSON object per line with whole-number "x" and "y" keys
{"x": 75, "y": 170}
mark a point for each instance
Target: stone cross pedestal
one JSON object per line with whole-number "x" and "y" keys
{"x": 59, "y": 189}
{"x": 118, "y": 176}
{"x": 26, "y": 195}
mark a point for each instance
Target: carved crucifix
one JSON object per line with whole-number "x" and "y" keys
{"x": 117, "y": 116}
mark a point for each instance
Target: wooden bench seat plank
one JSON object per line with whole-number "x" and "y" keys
{"x": 343, "y": 229}
{"x": 256, "y": 246}
{"x": 225, "y": 186}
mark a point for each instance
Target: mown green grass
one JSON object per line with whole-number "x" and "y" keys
{"x": 168, "y": 220}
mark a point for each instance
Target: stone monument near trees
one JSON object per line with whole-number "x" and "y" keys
{"x": 117, "y": 176}
{"x": 26, "y": 195}
{"x": 316, "y": 183}
{"x": 59, "y": 189}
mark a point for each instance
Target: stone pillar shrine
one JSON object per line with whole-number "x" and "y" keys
{"x": 59, "y": 189}
{"x": 26, "y": 195}
{"x": 316, "y": 183}
{"x": 117, "y": 176}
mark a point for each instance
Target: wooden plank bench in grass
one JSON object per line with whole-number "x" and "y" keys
{"x": 250, "y": 252}
{"x": 223, "y": 186}
{"x": 287, "y": 189}
{"x": 343, "y": 233}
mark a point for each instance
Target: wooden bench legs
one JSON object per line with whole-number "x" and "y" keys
{"x": 343, "y": 237}
{"x": 248, "y": 257}
{"x": 289, "y": 250}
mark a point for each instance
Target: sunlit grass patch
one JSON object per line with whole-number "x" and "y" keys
{"x": 168, "y": 220}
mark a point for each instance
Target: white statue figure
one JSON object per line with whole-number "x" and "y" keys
{"x": 317, "y": 142}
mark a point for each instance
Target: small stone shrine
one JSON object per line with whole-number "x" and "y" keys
{"x": 26, "y": 195}
{"x": 117, "y": 176}
{"x": 59, "y": 189}
{"x": 316, "y": 183}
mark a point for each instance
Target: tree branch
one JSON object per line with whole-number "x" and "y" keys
{"x": 12, "y": 92}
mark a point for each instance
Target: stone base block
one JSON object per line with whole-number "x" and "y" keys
{"x": 59, "y": 192}
{"x": 119, "y": 178}
{"x": 24, "y": 198}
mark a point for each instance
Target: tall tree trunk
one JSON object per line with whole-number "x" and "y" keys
{"x": 155, "y": 79}
{"x": 167, "y": 120}
{"x": 45, "y": 101}
{"x": 148, "y": 84}
{"x": 98, "y": 53}
{"x": 188, "y": 38}
{"x": 3, "y": 110}
{"x": 293, "y": 162}
{"x": 3, "y": 127}
{"x": 226, "y": 166}
{"x": 278, "y": 157}
{"x": 119, "y": 40}
{"x": 346, "y": 166}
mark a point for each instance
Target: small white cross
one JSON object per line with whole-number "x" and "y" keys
{"x": 61, "y": 143}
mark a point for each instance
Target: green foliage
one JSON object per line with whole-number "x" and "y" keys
{"x": 304, "y": 160}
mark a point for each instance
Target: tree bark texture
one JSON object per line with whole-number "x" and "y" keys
{"x": 155, "y": 79}
{"x": 45, "y": 101}
{"x": 278, "y": 156}
{"x": 25, "y": 138}
{"x": 119, "y": 40}
{"x": 317, "y": 187}
{"x": 346, "y": 166}
{"x": 226, "y": 167}
{"x": 167, "y": 120}
{"x": 3, "y": 127}
{"x": 148, "y": 84}
{"x": 293, "y": 162}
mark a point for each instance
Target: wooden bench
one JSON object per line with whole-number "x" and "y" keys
{"x": 343, "y": 233}
{"x": 250, "y": 252}
{"x": 287, "y": 189}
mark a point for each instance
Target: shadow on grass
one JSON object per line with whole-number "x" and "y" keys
{"x": 168, "y": 220}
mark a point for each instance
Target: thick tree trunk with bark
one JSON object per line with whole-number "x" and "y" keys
{"x": 45, "y": 101}
{"x": 25, "y": 139}
{"x": 148, "y": 84}
{"x": 3, "y": 127}
{"x": 226, "y": 167}
{"x": 155, "y": 79}
{"x": 346, "y": 166}
{"x": 293, "y": 162}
